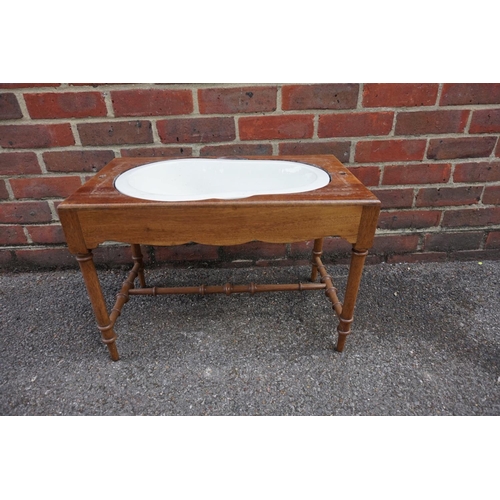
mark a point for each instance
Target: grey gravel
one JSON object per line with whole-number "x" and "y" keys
{"x": 426, "y": 341}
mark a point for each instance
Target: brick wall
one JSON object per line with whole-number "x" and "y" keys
{"x": 430, "y": 152}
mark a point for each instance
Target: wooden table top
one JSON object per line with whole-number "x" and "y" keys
{"x": 343, "y": 189}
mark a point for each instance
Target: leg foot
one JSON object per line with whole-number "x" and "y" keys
{"x": 341, "y": 342}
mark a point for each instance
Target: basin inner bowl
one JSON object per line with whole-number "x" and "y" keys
{"x": 194, "y": 179}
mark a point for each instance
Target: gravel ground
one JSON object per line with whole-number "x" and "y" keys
{"x": 426, "y": 341}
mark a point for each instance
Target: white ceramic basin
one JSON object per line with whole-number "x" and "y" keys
{"x": 203, "y": 178}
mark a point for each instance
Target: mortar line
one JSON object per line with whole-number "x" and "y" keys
{"x": 495, "y": 147}
{"x": 315, "y": 127}
{"x": 9, "y": 190}
{"x": 22, "y": 105}
{"x": 41, "y": 161}
{"x": 359, "y": 102}
{"x": 438, "y": 96}
{"x": 109, "y": 104}
{"x": 156, "y": 134}
{"x": 236, "y": 130}
{"x": 481, "y": 197}
{"x": 352, "y": 152}
{"x": 27, "y": 234}
{"x": 53, "y": 211}
{"x": 76, "y": 135}
{"x": 279, "y": 98}
{"x": 196, "y": 104}
{"x": 467, "y": 125}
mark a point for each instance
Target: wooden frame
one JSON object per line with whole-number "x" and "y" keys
{"x": 97, "y": 212}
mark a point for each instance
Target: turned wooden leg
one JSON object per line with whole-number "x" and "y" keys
{"x": 98, "y": 303}
{"x": 355, "y": 271}
{"x": 137, "y": 256}
{"x": 317, "y": 251}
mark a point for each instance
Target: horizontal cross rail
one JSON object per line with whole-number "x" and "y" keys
{"x": 228, "y": 289}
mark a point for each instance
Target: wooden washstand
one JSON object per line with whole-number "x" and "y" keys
{"x": 98, "y": 212}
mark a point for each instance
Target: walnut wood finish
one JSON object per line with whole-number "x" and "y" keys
{"x": 97, "y": 212}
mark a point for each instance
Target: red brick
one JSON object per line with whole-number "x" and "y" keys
{"x": 470, "y": 93}
{"x": 12, "y": 235}
{"x": 7, "y": 259}
{"x": 237, "y": 150}
{"x": 398, "y": 243}
{"x": 27, "y": 85}
{"x": 45, "y": 258}
{"x": 448, "y": 242}
{"x": 4, "y": 194}
{"x": 417, "y": 257}
{"x": 77, "y": 161}
{"x": 493, "y": 240}
{"x": 334, "y": 245}
{"x": 497, "y": 150}
{"x": 152, "y": 102}
{"x": 106, "y": 133}
{"x": 399, "y": 94}
{"x": 426, "y": 173}
{"x": 276, "y": 127}
{"x": 153, "y": 152}
{"x": 269, "y": 263}
{"x": 369, "y": 176}
{"x": 337, "y": 246}
{"x": 237, "y": 100}
{"x": 9, "y": 107}
{"x": 431, "y": 122}
{"x": 46, "y": 234}
{"x": 471, "y": 217}
{"x": 485, "y": 121}
{"x": 491, "y": 195}
{"x": 45, "y": 187}
{"x": 462, "y": 147}
{"x": 411, "y": 219}
{"x": 36, "y": 136}
{"x": 395, "y": 198}
{"x": 390, "y": 150}
{"x": 19, "y": 164}
{"x": 114, "y": 255}
{"x": 371, "y": 259}
{"x": 355, "y": 124}
{"x": 340, "y": 149}
{"x": 189, "y": 252}
{"x": 119, "y": 255}
{"x": 475, "y": 255}
{"x": 446, "y": 196}
{"x": 25, "y": 212}
{"x": 477, "y": 172}
{"x": 187, "y": 130}
{"x": 320, "y": 96}
{"x": 66, "y": 105}
{"x": 254, "y": 250}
